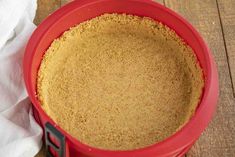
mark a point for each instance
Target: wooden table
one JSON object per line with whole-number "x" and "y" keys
{"x": 215, "y": 20}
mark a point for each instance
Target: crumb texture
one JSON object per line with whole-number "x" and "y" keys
{"x": 120, "y": 82}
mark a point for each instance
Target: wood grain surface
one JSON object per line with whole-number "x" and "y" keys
{"x": 45, "y": 7}
{"x": 227, "y": 17}
{"x": 160, "y": 1}
{"x": 215, "y": 20}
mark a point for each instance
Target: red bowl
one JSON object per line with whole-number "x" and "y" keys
{"x": 82, "y": 10}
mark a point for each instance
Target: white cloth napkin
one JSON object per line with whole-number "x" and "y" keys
{"x": 20, "y": 135}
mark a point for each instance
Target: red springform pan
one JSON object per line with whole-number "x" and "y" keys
{"x": 81, "y": 10}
